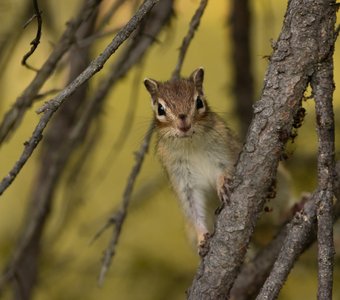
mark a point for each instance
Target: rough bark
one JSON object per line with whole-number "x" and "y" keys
{"x": 292, "y": 63}
{"x": 323, "y": 88}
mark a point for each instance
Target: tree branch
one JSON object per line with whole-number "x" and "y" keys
{"x": 322, "y": 200}
{"x": 323, "y": 87}
{"x": 50, "y": 107}
{"x": 194, "y": 23}
{"x": 285, "y": 81}
{"x": 254, "y": 273}
{"x": 133, "y": 53}
{"x": 297, "y": 240}
{"x": 36, "y": 41}
{"x": 301, "y": 233}
{"x": 118, "y": 218}
{"x": 24, "y": 263}
{"x": 14, "y": 116}
{"x": 97, "y": 64}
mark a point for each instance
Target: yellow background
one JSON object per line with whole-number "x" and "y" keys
{"x": 154, "y": 260}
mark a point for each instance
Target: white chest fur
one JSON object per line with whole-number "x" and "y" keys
{"x": 194, "y": 162}
{"x": 194, "y": 166}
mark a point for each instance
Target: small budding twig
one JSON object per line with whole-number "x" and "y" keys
{"x": 36, "y": 41}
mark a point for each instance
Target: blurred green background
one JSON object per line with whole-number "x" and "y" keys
{"x": 154, "y": 259}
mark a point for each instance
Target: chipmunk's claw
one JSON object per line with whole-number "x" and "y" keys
{"x": 224, "y": 195}
{"x": 224, "y": 191}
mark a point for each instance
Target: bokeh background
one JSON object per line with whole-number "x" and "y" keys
{"x": 154, "y": 259}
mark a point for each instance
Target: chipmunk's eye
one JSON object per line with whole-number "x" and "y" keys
{"x": 160, "y": 110}
{"x": 199, "y": 103}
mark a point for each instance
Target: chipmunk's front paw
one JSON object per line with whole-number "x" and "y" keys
{"x": 224, "y": 195}
{"x": 224, "y": 190}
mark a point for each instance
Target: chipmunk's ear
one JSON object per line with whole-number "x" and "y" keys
{"x": 197, "y": 77}
{"x": 151, "y": 85}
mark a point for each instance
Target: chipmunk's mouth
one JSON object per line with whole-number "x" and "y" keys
{"x": 185, "y": 134}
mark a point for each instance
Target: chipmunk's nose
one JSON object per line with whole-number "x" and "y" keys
{"x": 183, "y": 124}
{"x": 182, "y": 117}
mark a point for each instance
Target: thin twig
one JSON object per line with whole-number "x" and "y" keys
{"x": 47, "y": 93}
{"x": 29, "y": 21}
{"x": 97, "y": 64}
{"x": 96, "y": 36}
{"x": 336, "y": 33}
{"x": 194, "y": 23}
{"x": 50, "y": 107}
{"x": 110, "y": 222}
{"x": 36, "y": 41}
{"x": 10, "y": 37}
{"x": 119, "y": 217}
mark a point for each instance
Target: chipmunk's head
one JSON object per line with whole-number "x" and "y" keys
{"x": 178, "y": 104}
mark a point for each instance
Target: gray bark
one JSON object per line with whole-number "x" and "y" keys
{"x": 293, "y": 61}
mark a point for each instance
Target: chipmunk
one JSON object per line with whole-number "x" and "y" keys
{"x": 195, "y": 146}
